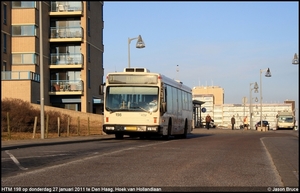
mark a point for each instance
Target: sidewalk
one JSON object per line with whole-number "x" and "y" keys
{"x": 13, "y": 144}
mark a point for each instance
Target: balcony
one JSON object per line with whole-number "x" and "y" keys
{"x": 59, "y": 61}
{"x": 66, "y": 34}
{"x": 66, "y": 87}
{"x": 20, "y": 75}
{"x": 66, "y": 8}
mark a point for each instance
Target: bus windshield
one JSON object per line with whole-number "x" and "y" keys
{"x": 129, "y": 98}
{"x": 287, "y": 119}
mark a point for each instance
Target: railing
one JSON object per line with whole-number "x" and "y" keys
{"x": 20, "y": 75}
{"x": 66, "y": 32}
{"x": 66, "y": 6}
{"x": 23, "y": 4}
{"x": 66, "y": 85}
{"x": 63, "y": 59}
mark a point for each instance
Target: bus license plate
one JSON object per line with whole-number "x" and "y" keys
{"x": 130, "y": 128}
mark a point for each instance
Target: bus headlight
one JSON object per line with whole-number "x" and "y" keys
{"x": 141, "y": 128}
{"x": 109, "y": 128}
{"x": 152, "y": 128}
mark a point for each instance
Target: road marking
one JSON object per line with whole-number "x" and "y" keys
{"x": 296, "y": 173}
{"x": 95, "y": 154}
{"x": 15, "y": 160}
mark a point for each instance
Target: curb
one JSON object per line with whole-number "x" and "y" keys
{"x": 44, "y": 142}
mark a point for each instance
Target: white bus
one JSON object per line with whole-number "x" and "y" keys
{"x": 285, "y": 120}
{"x": 128, "y": 109}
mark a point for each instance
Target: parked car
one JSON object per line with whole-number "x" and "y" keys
{"x": 264, "y": 124}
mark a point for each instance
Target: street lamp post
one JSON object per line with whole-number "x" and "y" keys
{"x": 41, "y": 73}
{"x": 296, "y": 62}
{"x": 244, "y": 103}
{"x": 139, "y": 44}
{"x": 268, "y": 74}
{"x": 250, "y": 106}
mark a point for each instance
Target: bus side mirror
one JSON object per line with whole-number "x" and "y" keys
{"x": 101, "y": 89}
{"x": 163, "y": 107}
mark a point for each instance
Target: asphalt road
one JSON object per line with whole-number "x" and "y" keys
{"x": 209, "y": 160}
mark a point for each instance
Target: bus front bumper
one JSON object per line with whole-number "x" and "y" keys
{"x": 113, "y": 129}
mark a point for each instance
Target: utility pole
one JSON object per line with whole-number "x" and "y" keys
{"x": 41, "y": 72}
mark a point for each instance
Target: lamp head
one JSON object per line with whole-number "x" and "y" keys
{"x": 140, "y": 43}
{"x": 256, "y": 86}
{"x": 268, "y": 73}
{"x": 296, "y": 59}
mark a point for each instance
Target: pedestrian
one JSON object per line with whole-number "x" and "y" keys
{"x": 232, "y": 122}
{"x": 245, "y": 123}
{"x": 207, "y": 120}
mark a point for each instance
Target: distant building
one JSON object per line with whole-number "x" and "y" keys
{"x": 72, "y": 53}
{"x": 216, "y": 91}
{"x": 213, "y": 98}
{"x": 293, "y": 105}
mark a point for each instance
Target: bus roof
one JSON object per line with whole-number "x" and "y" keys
{"x": 163, "y": 78}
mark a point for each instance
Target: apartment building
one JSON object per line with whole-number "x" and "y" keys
{"x": 222, "y": 113}
{"x": 56, "y": 47}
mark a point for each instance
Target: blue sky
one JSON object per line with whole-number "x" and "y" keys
{"x": 223, "y": 44}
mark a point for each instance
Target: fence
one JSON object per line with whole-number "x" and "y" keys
{"x": 78, "y": 123}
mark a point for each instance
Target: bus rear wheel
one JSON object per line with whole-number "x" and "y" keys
{"x": 184, "y": 135}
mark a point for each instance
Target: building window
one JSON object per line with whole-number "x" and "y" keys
{"x": 4, "y": 66}
{"x": 23, "y": 4}
{"x": 73, "y": 107}
{"x": 89, "y": 78}
{"x": 89, "y": 53}
{"x": 23, "y": 30}
{"x": 4, "y": 14}
{"x": 89, "y": 27}
{"x": 4, "y": 43}
{"x": 24, "y": 59}
{"x": 89, "y": 5}
{"x": 68, "y": 75}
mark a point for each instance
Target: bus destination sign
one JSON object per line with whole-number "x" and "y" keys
{"x": 132, "y": 79}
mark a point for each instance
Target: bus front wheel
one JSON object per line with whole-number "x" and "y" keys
{"x": 119, "y": 136}
{"x": 169, "y": 132}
